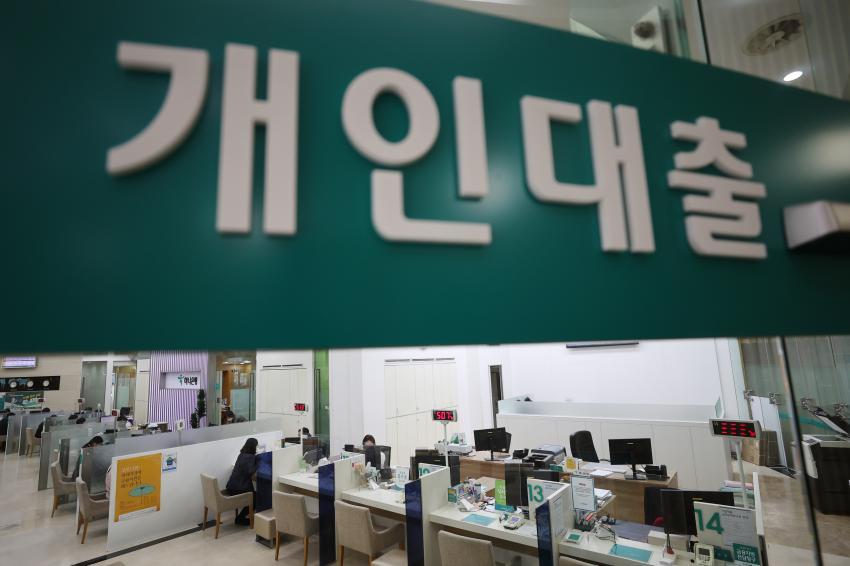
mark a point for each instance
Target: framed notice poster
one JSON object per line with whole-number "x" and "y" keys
{"x": 137, "y": 486}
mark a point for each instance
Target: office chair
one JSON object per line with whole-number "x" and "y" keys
{"x": 581, "y": 446}
{"x": 386, "y": 452}
{"x": 653, "y": 510}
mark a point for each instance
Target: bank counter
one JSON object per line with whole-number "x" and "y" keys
{"x": 629, "y": 506}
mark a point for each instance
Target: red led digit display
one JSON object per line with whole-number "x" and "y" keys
{"x": 735, "y": 429}
{"x": 300, "y": 407}
{"x": 443, "y": 415}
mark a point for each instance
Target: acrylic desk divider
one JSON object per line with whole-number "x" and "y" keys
{"x": 554, "y": 517}
{"x": 285, "y": 461}
{"x": 180, "y": 498}
{"x": 334, "y": 478}
{"x": 427, "y": 494}
{"x": 13, "y": 434}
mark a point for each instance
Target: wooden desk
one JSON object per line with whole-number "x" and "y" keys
{"x": 628, "y": 505}
{"x": 478, "y": 466}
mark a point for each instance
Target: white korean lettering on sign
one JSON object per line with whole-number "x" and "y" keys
{"x": 719, "y": 213}
{"x": 182, "y": 380}
{"x": 721, "y": 222}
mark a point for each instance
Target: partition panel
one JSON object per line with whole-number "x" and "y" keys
{"x": 181, "y": 497}
{"x": 327, "y": 515}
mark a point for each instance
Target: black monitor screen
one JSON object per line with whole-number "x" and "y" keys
{"x": 492, "y": 439}
{"x": 516, "y": 478}
{"x": 630, "y": 451}
{"x": 373, "y": 456}
{"x": 678, "y": 508}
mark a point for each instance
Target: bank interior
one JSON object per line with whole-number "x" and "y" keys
{"x": 497, "y": 452}
{"x": 558, "y": 453}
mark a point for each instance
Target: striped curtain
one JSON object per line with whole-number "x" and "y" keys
{"x": 169, "y": 405}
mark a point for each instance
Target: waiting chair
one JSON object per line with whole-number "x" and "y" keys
{"x": 90, "y": 508}
{"x": 291, "y": 517}
{"x": 216, "y": 501}
{"x": 456, "y": 550}
{"x": 32, "y": 442}
{"x": 581, "y": 446}
{"x": 354, "y": 530}
{"x": 61, "y": 485}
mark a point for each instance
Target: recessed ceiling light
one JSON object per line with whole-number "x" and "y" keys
{"x": 792, "y": 76}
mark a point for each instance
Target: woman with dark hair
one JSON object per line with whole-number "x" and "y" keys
{"x": 240, "y": 477}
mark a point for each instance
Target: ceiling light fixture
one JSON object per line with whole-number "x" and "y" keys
{"x": 792, "y": 76}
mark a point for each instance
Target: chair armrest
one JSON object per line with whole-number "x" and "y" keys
{"x": 100, "y": 507}
{"x": 389, "y": 536}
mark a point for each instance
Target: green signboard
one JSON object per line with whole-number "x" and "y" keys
{"x": 221, "y": 174}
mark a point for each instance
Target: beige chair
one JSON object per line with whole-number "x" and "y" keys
{"x": 354, "y": 530}
{"x": 216, "y": 501}
{"x": 456, "y": 550}
{"x": 567, "y": 561}
{"x": 291, "y": 518}
{"x": 32, "y": 442}
{"x": 90, "y": 508}
{"x": 61, "y": 485}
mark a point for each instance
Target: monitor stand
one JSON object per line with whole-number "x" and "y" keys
{"x": 493, "y": 458}
{"x": 634, "y": 474}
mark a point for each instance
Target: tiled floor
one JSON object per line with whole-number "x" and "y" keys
{"x": 28, "y": 536}
{"x": 27, "y": 533}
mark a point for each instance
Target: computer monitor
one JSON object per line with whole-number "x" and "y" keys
{"x": 631, "y": 452}
{"x": 678, "y": 508}
{"x": 516, "y": 478}
{"x": 437, "y": 459}
{"x": 492, "y": 439}
{"x": 373, "y": 457}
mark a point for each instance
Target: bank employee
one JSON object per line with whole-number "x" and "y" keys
{"x": 241, "y": 476}
{"x": 374, "y": 456}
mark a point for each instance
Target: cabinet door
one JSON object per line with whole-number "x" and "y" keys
{"x": 390, "y": 399}
{"x": 406, "y": 389}
{"x": 406, "y": 437}
{"x": 392, "y": 441}
{"x": 424, "y": 387}
{"x": 445, "y": 384}
{"x": 425, "y": 435}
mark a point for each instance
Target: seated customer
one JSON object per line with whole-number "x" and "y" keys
{"x": 40, "y": 429}
{"x": 240, "y": 477}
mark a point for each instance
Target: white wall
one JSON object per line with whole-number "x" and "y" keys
{"x": 278, "y": 389}
{"x": 68, "y": 367}
{"x": 357, "y": 390}
{"x": 143, "y": 375}
{"x": 672, "y": 372}
{"x": 676, "y": 372}
{"x": 345, "y": 380}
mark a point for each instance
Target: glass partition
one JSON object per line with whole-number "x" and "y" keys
{"x": 64, "y": 443}
{"x": 819, "y": 368}
{"x": 13, "y": 434}
{"x": 93, "y": 389}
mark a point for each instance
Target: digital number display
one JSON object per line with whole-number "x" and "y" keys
{"x": 300, "y": 407}
{"x": 735, "y": 429}
{"x": 444, "y": 416}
